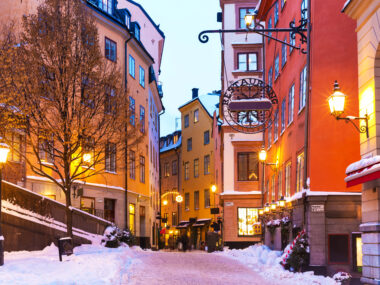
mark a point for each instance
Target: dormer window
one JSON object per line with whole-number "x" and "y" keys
{"x": 106, "y": 5}
{"x": 127, "y": 19}
{"x": 136, "y": 30}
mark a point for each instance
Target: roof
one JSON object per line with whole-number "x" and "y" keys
{"x": 168, "y": 142}
{"x": 149, "y": 18}
{"x": 210, "y": 102}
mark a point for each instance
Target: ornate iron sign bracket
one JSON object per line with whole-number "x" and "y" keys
{"x": 294, "y": 30}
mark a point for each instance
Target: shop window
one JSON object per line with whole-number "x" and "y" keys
{"x": 357, "y": 253}
{"x": 132, "y": 216}
{"x": 248, "y": 224}
{"x": 338, "y": 248}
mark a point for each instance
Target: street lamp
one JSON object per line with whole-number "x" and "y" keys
{"x": 250, "y": 20}
{"x": 4, "y": 150}
{"x": 281, "y": 202}
{"x": 266, "y": 208}
{"x": 337, "y": 102}
{"x": 165, "y": 202}
{"x": 179, "y": 199}
{"x": 87, "y": 157}
{"x": 273, "y": 206}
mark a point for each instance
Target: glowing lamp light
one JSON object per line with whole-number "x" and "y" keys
{"x": 250, "y": 20}
{"x": 170, "y": 232}
{"x": 178, "y": 198}
{"x": 87, "y": 157}
{"x": 213, "y": 188}
{"x": 261, "y": 212}
{"x": 266, "y": 208}
{"x": 282, "y": 202}
{"x": 4, "y": 150}
{"x": 336, "y": 101}
{"x": 273, "y": 206}
{"x": 262, "y": 155}
{"x": 165, "y": 202}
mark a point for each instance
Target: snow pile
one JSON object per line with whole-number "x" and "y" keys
{"x": 266, "y": 262}
{"x": 90, "y": 264}
{"x": 342, "y": 277}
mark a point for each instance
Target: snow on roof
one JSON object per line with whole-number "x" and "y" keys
{"x": 171, "y": 145}
{"x": 309, "y": 193}
{"x": 209, "y": 101}
{"x": 362, "y": 164}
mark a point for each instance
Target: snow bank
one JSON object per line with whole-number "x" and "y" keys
{"x": 266, "y": 262}
{"x": 90, "y": 264}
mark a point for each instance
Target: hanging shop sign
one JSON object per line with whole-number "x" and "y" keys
{"x": 249, "y": 105}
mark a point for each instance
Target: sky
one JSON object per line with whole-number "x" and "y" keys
{"x": 186, "y": 63}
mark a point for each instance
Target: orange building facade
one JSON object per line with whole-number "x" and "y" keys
{"x": 125, "y": 194}
{"x": 310, "y": 149}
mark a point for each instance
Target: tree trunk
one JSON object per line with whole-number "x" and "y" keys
{"x": 69, "y": 214}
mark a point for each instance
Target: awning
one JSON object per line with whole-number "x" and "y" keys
{"x": 201, "y": 222}
{"x": 183, "y": 225}
{"x": 362, "y": 171}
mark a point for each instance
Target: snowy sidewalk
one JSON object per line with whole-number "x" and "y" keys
{"x": 189, "y": 268}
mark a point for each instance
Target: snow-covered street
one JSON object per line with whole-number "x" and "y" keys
{"x": 96, "y": 265}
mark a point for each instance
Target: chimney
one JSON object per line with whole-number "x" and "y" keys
{"x": 195, "y": 92}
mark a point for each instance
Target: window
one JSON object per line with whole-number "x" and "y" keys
{"x": 273, "y": 190}
{"x": 142, "y": 169}
{"x": 132, "y": 165}
{"x": 304, "y": 9}
{"x": 283, "y": 3}
{"x": 339, "y": 248}
{"x": 189, "y": 144}
{"x": 283, "y": 113}
{"x": 174, "y": 219}
{"x": 300, "y": 168}
{"x": 206, "y": 137}
{"x": 277, "y": 66}
{"x": 196, "y": 168}
{"x": 279, "y": 194}
{"x": 131, "y": 66}
{"x": 275, "y": 129}
{"x": 14, "y": 140}
{"x": 303, "y": 91}
{"x": 196, "y": 200}
{"x": 269, "y": 27}
{"x": 207, "y": 198}
{"x": 136, "y": 30}
{"x": 86, "y": 98}
{"x": 288, "y": 169}
{"x": 248, "y": 166}
{"x": 292, "y": 39}
{"x": 267, "y": 191}
{"x": 87, "y": 204}
{"x": 110, "y": 158}
{"x": 186, "y": 121}
{"x": 142, "y": 119}
{"x": 110, "y": 49}
{"x": 110, "y": 104}
{"x": 166, "y": 169}
{"x": 132, "y": 221}
{"x": 291, "y": 104}
{"x": 247, "y": 61}
{"x": 270, "y": 134}
{"x": 207, "y": 164}
{"x": 187, "y": 201}
{"x": 248, "y": 222}
{"x": 270, "y": 76}
{"x": 132, "y": 111}
{"x": 142, "y": 76}
{"x": 242, "y": 13}
{"x": 46, "y": 149}
{"x": 284, "y": 51}
{"x": 109, "y": 210}
{"x": 174, "y": 167}
{"x": 196, "y": 116}
{"x": 275, "y": 13}
{"x": 128, "y": 20}
{"x": 186, "y": 170}
{"x": 106, "y": 5}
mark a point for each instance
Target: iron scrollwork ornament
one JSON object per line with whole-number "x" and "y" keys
{"x": 249, "y": 105}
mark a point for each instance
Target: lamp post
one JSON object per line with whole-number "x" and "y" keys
{"x": 4, "y": 150}
{"x": 337, "y": 102}
{"x": 213, "y": 190}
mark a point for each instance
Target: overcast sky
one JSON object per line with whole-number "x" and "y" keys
{"x": 187, "y": 63}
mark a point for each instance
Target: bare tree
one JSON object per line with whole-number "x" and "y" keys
{"x": 70, "y": 100}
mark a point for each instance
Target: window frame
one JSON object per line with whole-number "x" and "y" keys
{"x": 196, "y": 116}
{"x": 241, "y": 20}
{"x": 141, "y": 76}
{"x": 291, "y": 103}
{"x": 187, "y": 201}
{"x": 142, "y": 168}
{"x": 186, "y": 170}
{"x": 189, "y": 144}
{"x": 196, "y": 167}
{"x": 196, "y": 200}
{"x": 206, "y": 169}
{"x": 132, "y": 165}
{"x": 111, "y": 44}
{"x": 142, "y": 119}
{"x": 207, "y": 198}
{"x": 206, "y": 142}
{"x": 110, "y": 154}
{"x": 283, "y": 115}
{"x": 300, "y": 164}
{"x": 246, "y": 219}
{"x": 247, "y": 155}
{"x": 186, "y": 121}
{"x": 302, "y": 90}
{"x": 132, "y": 66}
{"x": 288, "y": 178}
{"x": 247, "y": 63}
{"x": 174, "y": 167}
{"x": 284, "y": 51}
{"x": 275, "y": 126}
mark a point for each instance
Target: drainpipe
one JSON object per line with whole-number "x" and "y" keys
{"x": 159, "y": 173}
{"x": 307, "y": 109}
{"x": 126, "y": 137}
